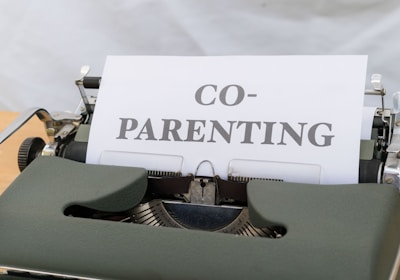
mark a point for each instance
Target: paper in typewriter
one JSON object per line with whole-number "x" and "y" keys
{"x": 290, "y": 118}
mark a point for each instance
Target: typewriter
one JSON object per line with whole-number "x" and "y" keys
{"x": 65, "y": 219}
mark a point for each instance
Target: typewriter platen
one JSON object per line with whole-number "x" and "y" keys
{"x": 198, "y": 205}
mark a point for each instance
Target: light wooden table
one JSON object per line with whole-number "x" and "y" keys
{"x": 9, "y": 149}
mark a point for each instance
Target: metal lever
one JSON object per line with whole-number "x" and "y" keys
{"x": 378, "y": 89}
{"x": 203, "y": 190}
{"x": 42, "y": 114}
{"x": 80, "y": 83}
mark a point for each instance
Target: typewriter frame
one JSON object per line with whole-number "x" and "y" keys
{"x": 68, "y": 136}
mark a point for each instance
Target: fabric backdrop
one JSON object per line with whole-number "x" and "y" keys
{"x": 45, "y": 42}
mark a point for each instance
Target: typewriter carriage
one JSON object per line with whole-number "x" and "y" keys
{"x": 68, "y": 135}
{"x": 68, "y": 132}
{"x": 169, "y": 199}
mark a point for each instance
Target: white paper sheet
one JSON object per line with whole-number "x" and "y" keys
{"x": 172, "y": 113}
{"x": 367, "y": 122}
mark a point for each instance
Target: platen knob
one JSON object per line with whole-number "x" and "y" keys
{"x": 30, "y": 149}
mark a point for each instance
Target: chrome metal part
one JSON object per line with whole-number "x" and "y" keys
{"x": 89, "y": 107}
{"x": 41, "y": 274}
{"x": 62, "y": 116}
{"x": 58, "y": 126}
{"x": 65, "y": 130}
{"x": 50, "y": 150}
{"x": 378, "y": 89}
{"x": 42, "y": 114}
{"x": 202, "y": 191}
{"x": 387, "y": 122}
{"x": 394, "y": 146}
{"x": 159, "y": 173}
{"x": 391, "y": 172}
{"x": 51, "y": 121}
{"x": 376, "y": 81}
{"x": 81, "y": 108}
{"x": 377, "y": 86}
{"x": 223, "y": 219}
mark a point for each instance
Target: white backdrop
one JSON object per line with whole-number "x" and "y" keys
{"x": 45, "y": 42}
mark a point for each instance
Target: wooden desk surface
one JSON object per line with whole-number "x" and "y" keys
{"x": 9, "y": 149}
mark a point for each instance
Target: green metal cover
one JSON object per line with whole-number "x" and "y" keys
{"x": 334, "y": 232}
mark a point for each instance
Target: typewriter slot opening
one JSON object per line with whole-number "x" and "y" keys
{"x": 162, "y": 206}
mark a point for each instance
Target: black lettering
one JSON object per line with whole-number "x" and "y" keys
{"x": 127, "y": 124}
{"x": 171, "y": 126}
{"x": 268, "y": 133}
{"x": 319, "y": 134}
{"x": 239, "y": 96}
{"x": 297, "y": 137}
{"x": 148, "y": 130}
{"x": 199, "y": 95}
{"x": 327, "y": 139}
{"x": 192, "y": 129}
{"x": 217, "y": 126}
{"x": 248, "y": 130}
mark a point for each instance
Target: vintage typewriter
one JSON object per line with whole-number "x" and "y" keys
{"x": 64, "y": 219}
